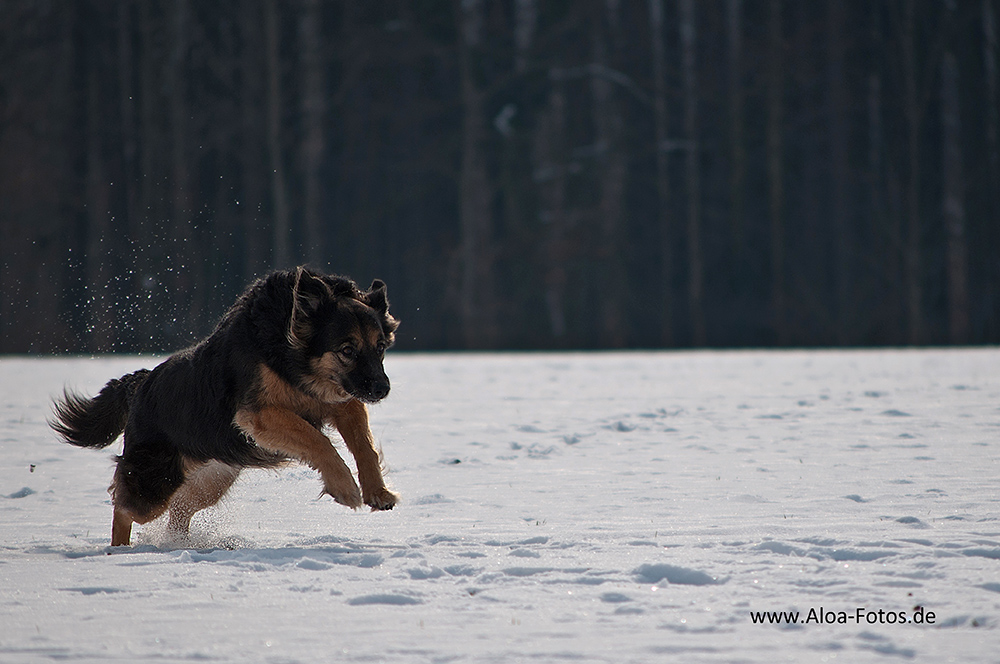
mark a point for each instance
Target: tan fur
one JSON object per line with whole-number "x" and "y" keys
{"x": 204, "y": 485}
{"x": 318, "y": 381}
{"x": 121, "y": 528}
{"x": 284, "y": 431}
{"x": 122, "y": 520}
{"x": 283, "y": 425}
{"x": 374, "y": 335}
{"x": 351, "y": 420}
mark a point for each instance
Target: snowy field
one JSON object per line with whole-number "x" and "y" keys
{"x": 633, "y": 507}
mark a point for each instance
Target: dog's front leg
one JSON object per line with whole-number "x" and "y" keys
{"x": 283, "y": 431}
{"x": 351, "y": 420}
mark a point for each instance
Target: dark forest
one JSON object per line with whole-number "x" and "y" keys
{"x": 524, "y": 174}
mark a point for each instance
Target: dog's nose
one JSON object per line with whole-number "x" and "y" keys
{"x": 379, "y": 389}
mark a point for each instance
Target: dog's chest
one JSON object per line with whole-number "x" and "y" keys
{"x": 276, "y": 392}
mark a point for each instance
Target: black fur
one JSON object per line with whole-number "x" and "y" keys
{"x": 185, "y": 407}
{"x": 96, "y": 422}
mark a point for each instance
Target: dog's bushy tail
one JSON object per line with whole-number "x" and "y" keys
{"x": 96, "y": 422}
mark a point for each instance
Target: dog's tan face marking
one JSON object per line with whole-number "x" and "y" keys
{"x": 375, "y": 336}
{"x": 276, "y": 391}
{"x": 322, "y": 379}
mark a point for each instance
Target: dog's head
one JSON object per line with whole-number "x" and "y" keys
{"x": 342, "y": 333}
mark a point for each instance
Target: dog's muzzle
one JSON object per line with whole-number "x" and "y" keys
{"x": 378, "y": 390}
{"x": 369, "y": 392}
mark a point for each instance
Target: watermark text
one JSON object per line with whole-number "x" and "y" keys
{"x": 859, "y": 616}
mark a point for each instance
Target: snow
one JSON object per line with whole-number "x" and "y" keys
{"x": 619, "y": 507}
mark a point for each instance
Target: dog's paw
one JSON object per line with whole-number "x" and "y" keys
{"x": 349, "y": 496}
{"x": 383, "y": 499}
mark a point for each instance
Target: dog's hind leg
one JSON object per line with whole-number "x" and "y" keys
{"x": 144, "y": 481}
{"x": 121, "y": 528}
{"x": 204, "y": 485}
{"x": 121, "y": 523}
{"x": 351, "y": 420}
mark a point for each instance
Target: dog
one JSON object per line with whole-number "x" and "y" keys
{"x": 297, "y": 352}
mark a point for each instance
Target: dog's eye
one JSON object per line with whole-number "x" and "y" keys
{"x": 348, "y": 352}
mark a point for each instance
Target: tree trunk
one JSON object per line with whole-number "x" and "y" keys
{"x": 99, "y": 253}
{"x": 954, "y": 203}
{"x": 993, "y": 146}
{"x": 775, "y": 169}
{"x": 662, "y": 175}
{"x": 476, "y": 291}
{"x": 147, "y": 123}
{"x": 185, "y": 298}
{"x": 837, "y": 118}
{"x": 313, "y": 140}
{"x": 37, "y": 278}
{"x": 608, "y": 121}
{"x": 279, "y": 199}
{"x": 737, "y": 155}
{"x": 882, "y": 228}
{"x": 550, "y": 174}
{"x": 525, "y": 24}
{"x": 992, "y": 119}
{"x": 256, "y": 229}
{"x": 696, "y": 268}
{"x": 886, "y": 200}
{"x": 130, "y": 178}
{"x": 913, "y": 114}
{"x": 150, "y": 256}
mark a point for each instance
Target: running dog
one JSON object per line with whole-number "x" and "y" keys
{"x": 298, "y": 351}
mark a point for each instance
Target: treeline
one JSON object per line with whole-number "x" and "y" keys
{"x": 522, "y": 173}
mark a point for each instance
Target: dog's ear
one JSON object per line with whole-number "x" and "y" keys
{"x": 377, "y": 300}
{"x": 308, "y": 293}
{"x": 376, "y": 297}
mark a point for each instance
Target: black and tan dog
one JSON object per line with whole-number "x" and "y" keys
{"x": 298, "y": 351}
